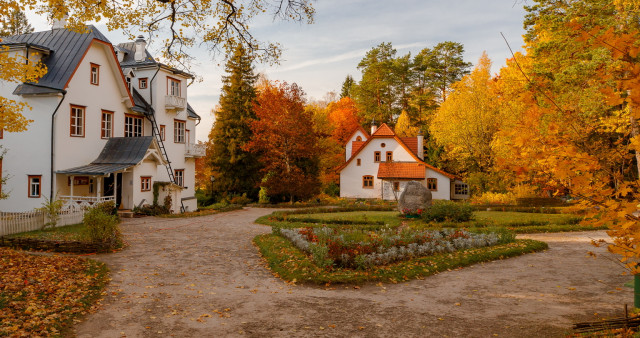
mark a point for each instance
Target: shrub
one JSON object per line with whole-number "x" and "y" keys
{"x": 151, "y": 210}
{"x": 108, "y": 207}
{"x": 448, "y": 211}
{"x": 494, "y": 198}
{"x": 263, "y": 198}
{"x": 52, "y": 210}
{"x": 102, "y": 227}
{"x": 242, "y": 200}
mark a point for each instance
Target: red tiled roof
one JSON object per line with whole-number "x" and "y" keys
{"x": 384, "y": 130}
{"x": 412, "y": 143}
{"x": 355, "y": 146}
{"x": 401, "y": 170}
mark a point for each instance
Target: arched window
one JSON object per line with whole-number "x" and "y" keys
{"x": 358, "y": 138}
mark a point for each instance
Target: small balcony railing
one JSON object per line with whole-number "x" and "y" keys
{"x": 175, "y": 102}
{"x": 84, "y": 201}
{"x": 195, "y": 150}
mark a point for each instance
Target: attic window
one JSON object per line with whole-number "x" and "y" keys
{"x": 358, "y": 138}
{"x": 142, "y": 83}
{"x": 383, "y": 145}
{"x": 95, "y": 74}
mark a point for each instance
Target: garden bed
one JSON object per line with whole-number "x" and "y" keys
{"x": 291, "y": 264}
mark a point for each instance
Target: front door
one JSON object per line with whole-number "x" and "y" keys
{"x": 109, "y": 187}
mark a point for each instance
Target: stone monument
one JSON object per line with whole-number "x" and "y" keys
{"x": 415, "y": 196}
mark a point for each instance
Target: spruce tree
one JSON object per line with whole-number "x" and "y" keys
{"x": 236, "y": 171}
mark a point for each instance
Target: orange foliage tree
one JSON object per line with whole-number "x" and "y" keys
{"x": 344, "y": 119}
{"x": 577, "y": 94}
{"x": 284, "y": 136}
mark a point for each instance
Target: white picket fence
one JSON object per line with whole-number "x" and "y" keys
{"x": 17, "y": 222}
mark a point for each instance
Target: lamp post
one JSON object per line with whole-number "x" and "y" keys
{"x": 212, "y": 179}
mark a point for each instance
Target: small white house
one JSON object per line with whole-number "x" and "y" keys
{"x": 108, "y": 122}
{"x": 379, "y": 166}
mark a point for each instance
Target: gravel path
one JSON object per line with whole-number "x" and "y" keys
{"x": 202, "y": 277}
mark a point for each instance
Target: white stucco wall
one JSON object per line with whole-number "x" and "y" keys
{"x": 349, "y": 145}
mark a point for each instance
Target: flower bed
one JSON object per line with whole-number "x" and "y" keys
{"x": 348, "y": 248}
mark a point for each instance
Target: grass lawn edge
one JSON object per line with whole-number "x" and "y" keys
{"x": 292, "y": 265}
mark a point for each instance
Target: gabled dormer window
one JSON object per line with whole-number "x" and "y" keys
{"x": 95, "y": 74}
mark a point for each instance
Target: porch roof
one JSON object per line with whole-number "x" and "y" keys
{"x": 118, "y": 154}
{"x": 401, "y": 170}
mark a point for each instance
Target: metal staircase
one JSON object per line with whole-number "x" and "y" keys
{"x": 155, "y": 131}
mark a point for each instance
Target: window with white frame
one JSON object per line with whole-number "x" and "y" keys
{"x": 179, "y": 175}
{"x": 35, "y": 182}
{"x": 173, "y": 86}
{"x": 106, "y": 127}
{"x": 95, "y": 74}
{"x": 162, "y": 132}
{"x": 133, "y": 126}
{"x": 77, "y": 121}
{"x": 461, "y": 189}
{"x": 145, "y": 183}
{"x": 179, "y": 131}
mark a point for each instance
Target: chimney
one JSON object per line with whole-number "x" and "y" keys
{"x": 420, "y": 145}
{"x": 140, "y": 49}
{"x": 373, "y": 126}
{"x": 59, "y": 23}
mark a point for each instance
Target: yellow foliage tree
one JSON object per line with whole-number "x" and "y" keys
{"x": 465, "y": 124}
{"x": 403, "y": 126}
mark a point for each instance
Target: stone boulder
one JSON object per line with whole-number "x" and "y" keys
{"x": 415, "y": 196}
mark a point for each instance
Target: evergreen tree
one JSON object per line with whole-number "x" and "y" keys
{"x": 374, "y": 94}
{"x": 15, "y": 23}
{"x": 347, "y": 86}
{"x": 236, "y": 170}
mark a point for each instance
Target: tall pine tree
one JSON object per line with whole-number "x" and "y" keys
{"x": 236, "y": 171}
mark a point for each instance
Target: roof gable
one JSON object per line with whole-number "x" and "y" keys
{"x": 359, "y": 129}
{"x": 67, "y": 51}
{"x": 384, "y": 130}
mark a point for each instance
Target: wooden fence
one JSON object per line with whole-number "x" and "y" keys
{"x": 17, "y": 222}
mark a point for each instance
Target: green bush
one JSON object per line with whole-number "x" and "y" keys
{"x": 151, "y": 210}
{"x": 102, "y": 227}
{"x": 442, "y": 211}
{"x": 108, "y": 207}
{"x": 242, "y": 200}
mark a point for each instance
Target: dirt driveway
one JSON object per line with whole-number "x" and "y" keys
{"x": 202, "y": 277}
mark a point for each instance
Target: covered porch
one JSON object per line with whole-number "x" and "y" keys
{"x": 102, "y": 180}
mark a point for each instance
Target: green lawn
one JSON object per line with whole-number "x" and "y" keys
{"x": 520, "y": 222}
{"x": 73, "y": 232}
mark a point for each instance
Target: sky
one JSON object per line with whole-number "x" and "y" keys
{"x": 319, "y": 56}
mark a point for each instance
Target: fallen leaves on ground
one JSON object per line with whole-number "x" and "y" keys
{"x": 39, "y": 295}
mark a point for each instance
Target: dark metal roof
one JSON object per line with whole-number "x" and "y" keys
{"x": 67, "y": 48}
{"x": 129, "y": 49}
{"x": 31, "y": 89}
{"x": 192, "y": 113}
{"x": 118, "y": 154}
{"x": 140, "y": 104}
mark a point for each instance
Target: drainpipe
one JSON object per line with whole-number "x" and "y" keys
{"x": 151, "y": 86}
{"x": 53, "y": 119}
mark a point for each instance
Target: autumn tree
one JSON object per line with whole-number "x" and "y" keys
{"x": 283, "y": 134}
{"x": 343, "y": 119}
{"x": 236, "y": 168}
{"x": 580, "y": 91}
{"x": 16, "y": 23}
{"x": 465, "y": 124}
{"x": 403, "y": 126}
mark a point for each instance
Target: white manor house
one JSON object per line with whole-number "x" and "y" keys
{"x": 379, "y": 165}
{"x": 108, "y": 122}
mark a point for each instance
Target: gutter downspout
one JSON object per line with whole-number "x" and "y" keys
{"x": 151, "y": 86}
{"x": 53, "y": 119}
